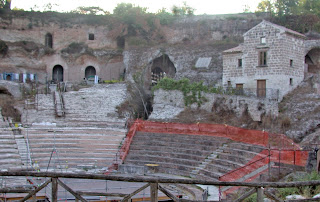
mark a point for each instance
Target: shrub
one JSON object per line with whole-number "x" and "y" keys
{"x": 285, "y": 122}
{"x": 192, "y": 91}
{"x": 3, "y": 48}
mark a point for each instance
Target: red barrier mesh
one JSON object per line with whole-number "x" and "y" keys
{"x": 282, "y": 149}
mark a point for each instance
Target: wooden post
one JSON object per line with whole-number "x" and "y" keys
{"x": 154, "y": 192}
{"x": 259, "y": 194}
{"x": 34, "y": 198}
{"x": 54, "y": 189}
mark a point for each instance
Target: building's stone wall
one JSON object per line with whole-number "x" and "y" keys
{"x": 281, "y": 47}
{"x": 168, "y": 104}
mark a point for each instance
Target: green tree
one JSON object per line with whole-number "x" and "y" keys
{"x": 265, "y": 6}
{"x": 311, "y": 6}
{"x": 182, "y": 10}
{"x": 127, "y": 9}
{"x": 93, "y": 10}
{"x": 164, "y": 16}
{"x": 5, "y": 4}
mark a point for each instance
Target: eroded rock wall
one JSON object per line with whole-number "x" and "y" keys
{"x": 168, "y": 104}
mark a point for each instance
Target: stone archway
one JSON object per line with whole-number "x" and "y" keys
{"x": 8, "y": 77}
{"x": 90, "y": 72}
{"x": 57, "y": 73}
{"x": 162, "y": 67}
{"x": 312, "y": 60}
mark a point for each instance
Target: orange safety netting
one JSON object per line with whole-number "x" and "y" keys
{"x": 282, "y": 149}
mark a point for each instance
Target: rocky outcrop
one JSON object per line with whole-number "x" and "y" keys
{"x": 168, "y": 104}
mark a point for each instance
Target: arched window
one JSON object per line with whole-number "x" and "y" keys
{"x": 48, "y": 40}
{"x": 57, "y": 73}
{"x": 90, "y": 72}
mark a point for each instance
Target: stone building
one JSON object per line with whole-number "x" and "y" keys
{"x": 269, "y": 63}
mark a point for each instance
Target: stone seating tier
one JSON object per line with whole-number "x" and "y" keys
{"x": 76, "y": 147}
{"x": 174, "y": 153}
{"x": 228, "y": 158}
{"x": 9, "y": 153}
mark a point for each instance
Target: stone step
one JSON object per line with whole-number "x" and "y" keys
{"x": 248, "y": 147}
{"x": 75, "y": 155}
{"x": 8, "y": 146}
{"x": 211, "y": 174}
{"x": 73, "y": 163}
{"x": 164, "y": 167}
{"x": 86, "y": 132}
{"x": 239, "y": 152}
{"x": 9, "y": 156}
{"x": 164, "y": 159}
{"x": 9, "y": 136}
{"x": 74, "y": 141}
{"x": 167, "y": 154}
{"x": 77, "y": 150}
{"x": 71, "y": 145}
{"x": 6, "y": 141}
{"x": 10, "y": 161}
{"x": 182, "y": 144}
{"x": 8, "y": 150}
{"x": 182, "y": 150}
{"x": 218, "y": 168}
{"x": 227, "y": 163}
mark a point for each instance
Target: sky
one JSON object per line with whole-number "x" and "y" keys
{"x": 201, "y": 6}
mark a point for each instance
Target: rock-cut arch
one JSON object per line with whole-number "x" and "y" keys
{"x": 57, "y": 73}
{"x": 312, "y": 60}
{"x": 89, "y": 72}
{"x": 163, "y": 64}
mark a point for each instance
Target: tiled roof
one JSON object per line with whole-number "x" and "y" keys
{"x": 237, "y": 49}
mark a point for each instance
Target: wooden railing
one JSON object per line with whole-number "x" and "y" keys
{"x": 155, "y": 184}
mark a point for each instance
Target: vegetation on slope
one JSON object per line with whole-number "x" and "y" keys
{"x": 299, "y": 15}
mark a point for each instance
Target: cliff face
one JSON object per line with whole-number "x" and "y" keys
{"x": 105, "y": 38}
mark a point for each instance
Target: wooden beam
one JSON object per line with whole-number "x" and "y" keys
{"x": 246, "y": 195}
{"x": 36, "y": 190}
{"x": 259, "y": 194}
{"x": 54, "y": 190}
{"x": 154, "y": 192}
{"x": 167, "y": 193}
{"x": 271, "y": 196}
{"x": 101, "y": 194}
{"x": 134, "y": 193}
{"x": 6, "y": 190}
{"x": 149, "y": 179}
{"x": 78, "y": 196}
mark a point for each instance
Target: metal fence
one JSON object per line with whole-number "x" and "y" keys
{"x": 266, "y": 93}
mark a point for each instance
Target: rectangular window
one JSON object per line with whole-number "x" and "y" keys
{"x": 291, "y": 63}
{"x": 263, "y": 58}
{"x": 91, "y": 36}
{"x": 263, "y": 40}
{"x": 291, "y": 82}
{"x": 239, "y": 62}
